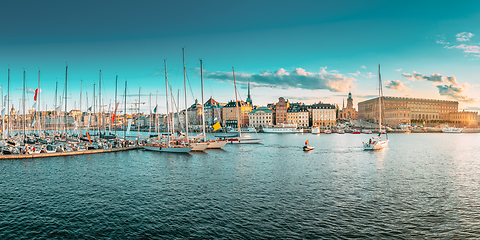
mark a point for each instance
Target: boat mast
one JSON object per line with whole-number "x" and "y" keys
{"x": 8, "y": 102}
{"x": 116, "y": 105}
{"x": 24, "y": 113}
{"x": 3, "y": 114}
{"x": 379, "y": 100}
{"x": 166, "y": 101}
{"x": 236, "y": 104}
{"x": 185, "y": 87}
{"x": 150, "y": 116}
{"x": 155, "y": 114}
{"x": 65, "y": 125}
{"x": 100, "y": 102}
{"x": 38, "y": 106}
{"x": 125, "y": 109}
{"x": 94, "y": 110}
{"x": 203, "y": 110}
{"x": 79, "y": 119}
{"x": 138, "y": 114}
{"x": 55, "y": 111}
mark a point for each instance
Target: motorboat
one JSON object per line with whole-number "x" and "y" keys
{"x": 307, "y": 148}
{"x": 327, "y": 131}
{"x": 315, "y": 130}
{"x": 452, "y": 130}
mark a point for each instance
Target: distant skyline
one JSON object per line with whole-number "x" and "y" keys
{"x": 306, "y": 51}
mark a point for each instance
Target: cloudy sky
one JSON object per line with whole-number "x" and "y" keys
{"x": 306, "y": 51}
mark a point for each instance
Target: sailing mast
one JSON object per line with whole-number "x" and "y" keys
{"x": 95, "y": 120}
{"x": 65, "y": 120}
{"x": 116, "y": 105}
{"x": 24, "y": 114}
{"x": 236, "y": 104}
{"x": 203, "y": 110}
{"x": 125, "y": 109}
{"x": 166, "y": 100}
{"x": 55, "y": 111}
{"x": 150, "y": 116}
{"x": 100, "y": 102}
{"x": 38, "y": 106}
{"x": 79, "y": 119}
{"x": 137, "y": 124}
{"x": 185, "y": 86}
{"x": 379, "y": 101}
{"x": 8, "y": 102}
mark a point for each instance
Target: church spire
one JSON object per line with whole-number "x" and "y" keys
{"x": 249, "y": 99}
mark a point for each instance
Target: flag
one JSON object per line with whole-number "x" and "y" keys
{"x": 164, "y": 116}
{"x": 155, "y": 109}
{"x": 216, "y": 126}
{"x": 88, "y": 136}
{"x": 129, "y": 125}
{"x": 34, "y": 105}
{"x": 423, "y": 122}
{"x": 89, "y": 109}
{"x": 306, "y": 142}
{"x": 36, "y": 92}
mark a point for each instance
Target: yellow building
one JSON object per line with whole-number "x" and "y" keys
{"x": 349, "y": 112}
{"x": 229, "y": 114}
{"x": 324, "y": 115}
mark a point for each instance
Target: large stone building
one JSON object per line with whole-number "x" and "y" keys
{"x": 261, "y": 117}
{"x": 402, "y": 110}
{"x": 349, "y": 112}
{"x": 229, "y": 114}
{"x": 281, "y": 111}
{"x": 464, "y": 119}
{"x": 213, "y": 111}
{"x": 324, "y": 115}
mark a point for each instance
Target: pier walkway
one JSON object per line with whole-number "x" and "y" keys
{"x": 61, "y": 154}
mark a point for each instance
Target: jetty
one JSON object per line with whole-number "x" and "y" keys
{"x": 62, "y": 154}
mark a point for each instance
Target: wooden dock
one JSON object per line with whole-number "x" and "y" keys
{"x": 61, "y": 154}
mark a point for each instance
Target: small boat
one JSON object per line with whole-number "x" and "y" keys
{"x": 170, "y": 148}
{"x": 366, "y": 131}
{"x": 315, "y": 130}
{"x": 198, "y": 146}
{"x": 341, "y": 131}
{"x": 216, "y": 144}
{"x": 308, "y": 148}
{"x": 355, "y": 131}
{"x": 451, "y": 130}
{"x": 328, "y": 132}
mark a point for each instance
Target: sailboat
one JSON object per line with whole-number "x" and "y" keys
{"x": 376, "y": 143}
{"x": 166, "y": 145}
{"x": 212, "y": 144}
{"x": 240, "y": 140}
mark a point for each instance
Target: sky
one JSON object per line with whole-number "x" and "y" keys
{"x": 305, "y": 51}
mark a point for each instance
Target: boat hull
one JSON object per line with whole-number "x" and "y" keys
{"x": 199, "y": 147}
{"x": 244, "y": 141}
{"x": 217, "y": 144}
{"x": 168, "y": 149}
{"x": 280, "y": 130}
{"x": 376, "y": 146}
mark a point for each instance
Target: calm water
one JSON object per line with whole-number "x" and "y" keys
{"x": 423, "y": 186}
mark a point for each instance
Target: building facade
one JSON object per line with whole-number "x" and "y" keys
{"x": 400, "y": 109}
{"x": 349, "y": 112}
{"x": 261, "y": 117}
{"x": 281, "y": 108}
{"x": 229, "y": 114}
{"x": 324, "y": 115}
{"x": 464, "y": 119}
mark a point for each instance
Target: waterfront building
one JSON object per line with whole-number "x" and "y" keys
{"x": 261, "y": 117}
{"x": 213, "y": 111}
{"x": 195, "y": 114}
{"x": 324, "y": 115}
{"x": 349, "y": 112}
{"x": 298, "y": 114}
{"x": 303, "y": 117}
{"x": 464, "y": 119}
{"x": 402, "y": 110}
{"x": 281, "y": 111}
{"x": 229, "y": 114}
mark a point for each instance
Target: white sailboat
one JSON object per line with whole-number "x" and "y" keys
{"x": 377, "y": 143}
{"x": 240, "y": 140}
{"x": 165, "y": 145}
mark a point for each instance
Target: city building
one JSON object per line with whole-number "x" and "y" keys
{"x": 261, "y": 117}
{"x": 464, "y": 119}
{"x": 324, "y": 115}
{"x": 229, "y": 114}
{"x": 213, "y": 111}
{"x": 281, "y": 111}
{"x": 402, "y": 110}
{"x": 349, "y": 112}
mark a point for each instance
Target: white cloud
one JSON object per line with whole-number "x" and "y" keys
{"x": 355, "y": 74}
{"x": 369, "y": 75}
{"x": 398, "y": 70}
{"x": 297, "y": 78}
{"x": 363, "y": 67}
{"x": 396, "y": 85}
{"x": 454, "y": 92}
{"x": 464, "y": 36}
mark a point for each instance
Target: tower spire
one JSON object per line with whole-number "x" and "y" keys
{"x": 249, "y": 99}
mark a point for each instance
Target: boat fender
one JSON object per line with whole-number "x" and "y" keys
{"x": 160, "y": 148}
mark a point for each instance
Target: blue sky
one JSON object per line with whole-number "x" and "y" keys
{"x": 305, "y": 51}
